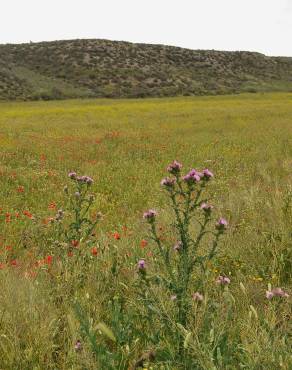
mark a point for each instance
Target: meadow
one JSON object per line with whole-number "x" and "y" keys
{"x": 88, "y": 302}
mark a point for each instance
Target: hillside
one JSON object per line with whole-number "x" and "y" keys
{"x": 101, "y": 68}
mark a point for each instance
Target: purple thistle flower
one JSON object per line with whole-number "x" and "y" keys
{"x": 178, "y": 246}
{"x": 276, "y": 292}
{"x": 223, "y": 280}
{"x": 72, "y": 175}
{"x": 85, "y": 180}
{"x": 88, "y": 180}
{"x": 78, "y": 346}
{"x": 198, "y": 297}
{"x": 194, "y": 172}
{"x": 141, "y": 265}
{"x": 150, "y": 215}
{"x": 174, "y": 168}
{"x": 221, "y": 224}
{"x": 168, "y": 182}
{"x": 269, "y": 294}
{"x": 206, "y": 207}
{"x": 192, "y": 177}
{"x": 207, "y": 174}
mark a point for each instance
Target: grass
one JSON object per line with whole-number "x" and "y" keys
{"x": 125, "y": 147}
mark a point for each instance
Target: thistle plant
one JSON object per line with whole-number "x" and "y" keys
{"x": 185, "y": 266}
{"x": 78, "y": 226}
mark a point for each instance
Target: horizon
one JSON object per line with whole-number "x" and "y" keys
{"x": 259, "y": 26}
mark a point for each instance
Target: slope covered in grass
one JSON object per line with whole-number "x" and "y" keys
{"x": 102, "y": 68}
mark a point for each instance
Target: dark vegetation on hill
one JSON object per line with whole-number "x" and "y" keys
{"x": 101, "y": 68}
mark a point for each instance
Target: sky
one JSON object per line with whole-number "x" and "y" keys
{"x": 264, "y": 26}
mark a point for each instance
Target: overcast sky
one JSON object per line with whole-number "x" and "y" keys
{"x": 256, "y": 25}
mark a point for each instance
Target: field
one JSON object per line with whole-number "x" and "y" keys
{"x": 86, "y": 304}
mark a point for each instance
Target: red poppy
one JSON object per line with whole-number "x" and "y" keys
{"x": 28, "y": 214}
{"x": 117, "y": 236}
{"x": 94, "y": 251}
{"x": 49, "y": 260}
{"x": 75, "y": 243}
{"x": 20, "y": 189}
{"x": 143, "y": 243}
{"x": 70, "y": 254}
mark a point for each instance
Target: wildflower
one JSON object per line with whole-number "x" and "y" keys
{"x": 173, "y": 297}
{"x": 49, "y": 260}
{"x": 94, "y": 251}
{"x": 78, "y": 346}
{"x": 28, "y": 214}
{"x": 72, "y": 175}
{"x": 276, "y": 292}
{"x": 14, "y": 263}
{"x": 20, "y": 189}
{"x": 269, "y": 294}
{"x": 88, "y": 180}
{"x": 116, "y": 236}
{"x": 223, "y": 280}
{"x": 141, "y": 265}
{"x": 192, "y": 177}
{"x": 168, "y": 182}
{"x": 221, "y": 225}
{"x": 52, "y": 205}
{"x": 207, "y": 208}
{"x": 174, "y": 168}
{"x": 198, "y": 297}
{"x": 150, "y": 215}
{"x": 178, "y": 246}
{"x": 207, "y": 175}
{"x": 85, "y": 180}
{"x": 75, "y": 243}
{"x": 143, "y": 243}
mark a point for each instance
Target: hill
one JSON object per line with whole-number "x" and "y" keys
{"x": 102, "y": 68}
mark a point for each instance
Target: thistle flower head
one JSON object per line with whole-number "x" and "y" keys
{"x": 168, "y": 182}
{"x": 150, "y": 215}
{"x": 72, "y": 175}
{"x": 141, "y": 264}
{"x": 223, "y": 280}
{"x": 174, "y": 168}
{"x": 198, "y": 297}
{"x": 192, "y": 177}
{"x": 221, "y": 224}
{"x": 84, "y": 180}
{"x": 207, "y": 174}
{"x": 78, "y": 346}
{"x": 276, "y": 292}
{"x": 178, "y": 246}
{"x": 207, "y": 208}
